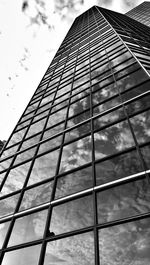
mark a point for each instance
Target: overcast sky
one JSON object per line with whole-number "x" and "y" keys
{"x": 30, "y": 34}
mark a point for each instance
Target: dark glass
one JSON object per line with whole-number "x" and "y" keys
{"x": 118, "y": 167}
{"x": 36, "y": 196}
{"x": 138, "y": 105}
{"x": 113, "y": 139}
{"x": 131, "y": 80}
{"x": 76, "y": 154}
{"x": 23, "y": 256}
{"x": 141, "y": 126}
{"x": 134, "y": 91}
{"x": 145, "y": 150}
{"x": 125, "y": 244}
{"x": 28, "y": 228}
{"x": 77, "y": 132}
{"x": 109, "y": 118}
{"x": 78, "y": 249}
{"x": 74, "y": 182}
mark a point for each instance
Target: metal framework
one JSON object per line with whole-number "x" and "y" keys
{"x": 75, "y": 171}
{"x": 141, "y": 13}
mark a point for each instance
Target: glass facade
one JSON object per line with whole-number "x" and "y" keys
{"x": 141, "y": 13}
{"x": 74, "y": 174}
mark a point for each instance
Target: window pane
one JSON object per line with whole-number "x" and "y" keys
{"x": 36, "y": 196}
{"x": 123, "y": 201}
{"x": 3, "y": 231}
{"x": 76, "y": 154}
{"x": 73, "y": 215}
{"x": 113, "y": 139}
{"x": 118, "y": 167}
{"x": 78, "y": 249}
{"x": 125, "y": 244}
{"x": 16, "y": 178}
{"x": 28, "y": 228}
{"x": 74, "y": 182}
{"x": 8, "y": 205}
{"x": 44, "y": 167}
{"x": 23, "y": 256}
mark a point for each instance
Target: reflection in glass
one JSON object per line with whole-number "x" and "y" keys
{"x": 77, "y": 132}
{"x": 125, "y": 244}
{"x": 113, "y": 139}
{"x": 28, "y": 228}
{"x": 109, "y": 118}
{"x": 141, "y": 126}
{"x": 44, "y": 167}
{"x": 54, "y": 130}
{"x": 23, "y": 256}
{"x": 74, "y": 182}
{"x": 16, "y": 178}
{"x": 73, "y": 215}
{"x": 76, "y": 154}
{"x": 49, "y": 145}
{"x": 75, "y": 250}
{"x": 3, "y": 231}
{"x": 8, "y": 205}
{"x": 123, "y": 201}
{"x": 25, "y": 155}
{"x": 118, "y": 167}
{"x": 145, "y": 150}
{"x": 5, "y": 164}
{"x": 36, "y": 196}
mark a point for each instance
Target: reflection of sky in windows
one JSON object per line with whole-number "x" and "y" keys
{"x": 99, "y": 150}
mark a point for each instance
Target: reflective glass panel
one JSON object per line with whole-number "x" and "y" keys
{"x": 125, "y": 244}
{"x": 120, "y": 166}
{"x": 3, "y": 231}
{"x": 28, "y": 228}
{"x": 36, "y": 196}
{"x": 76, "y": 154}
{"x": 8, "y": 205}
{"x": 113, "y": 139}
{"x": 44, "y": 167}
{"x": 74, "y": 182}
{"x": 74, "y": 250}
{"x": 23, "y": 256}
{"x": 73, "y": 215}
{"x": 123, "y": 201}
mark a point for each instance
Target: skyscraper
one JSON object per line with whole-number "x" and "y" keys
{"x": 75, "y": 170}
{"x": 141, "y": 13}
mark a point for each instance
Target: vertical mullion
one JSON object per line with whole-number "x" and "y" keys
{"x": 47, "y": 225}
{"x": 96, "y": 239}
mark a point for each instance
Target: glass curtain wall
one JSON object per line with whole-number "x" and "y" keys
{"x": 74, "y": 174}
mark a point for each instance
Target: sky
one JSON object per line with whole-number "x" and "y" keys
{"x": 31, "y": 31}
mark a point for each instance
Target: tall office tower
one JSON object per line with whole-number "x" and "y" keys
{"x": 141, "y": 13}
{"x": 75, "y": 171}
